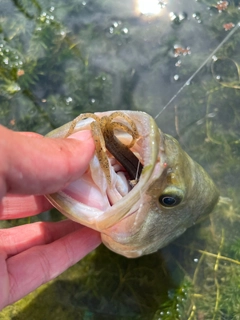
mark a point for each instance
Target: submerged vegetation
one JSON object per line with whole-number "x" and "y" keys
{"x": 57, "y": 60}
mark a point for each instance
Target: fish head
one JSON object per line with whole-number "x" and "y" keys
{"x": 172, "y": 193}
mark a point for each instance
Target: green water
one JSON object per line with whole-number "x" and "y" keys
{"x": 58, "y": 60}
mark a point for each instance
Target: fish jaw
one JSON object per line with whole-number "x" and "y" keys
{"x": 109, "y": 209}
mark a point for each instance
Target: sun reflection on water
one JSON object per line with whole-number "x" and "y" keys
{"x": 150, "y": 7}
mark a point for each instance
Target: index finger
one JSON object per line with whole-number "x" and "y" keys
{"x": 40, "y": 165}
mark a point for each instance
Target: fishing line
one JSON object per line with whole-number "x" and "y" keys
{"x": 201, "y": 66}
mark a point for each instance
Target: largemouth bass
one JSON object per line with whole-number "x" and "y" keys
{"x": 141, "y": 190}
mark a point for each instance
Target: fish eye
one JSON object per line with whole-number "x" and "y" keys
{"x": 169, "y": 200}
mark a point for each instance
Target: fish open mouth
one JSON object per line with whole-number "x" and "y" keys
{"x": 125, "y": 172}
{"x": 94, "y": 202}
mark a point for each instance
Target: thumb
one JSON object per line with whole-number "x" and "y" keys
{"x": 33, "y": 164}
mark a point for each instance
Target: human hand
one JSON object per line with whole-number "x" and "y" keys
{"x": 33, "y": 254}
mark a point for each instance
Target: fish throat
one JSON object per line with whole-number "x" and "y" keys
{"x": 123, "y": 155}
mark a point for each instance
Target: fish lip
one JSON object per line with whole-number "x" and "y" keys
{"x": 128, "y": 215}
